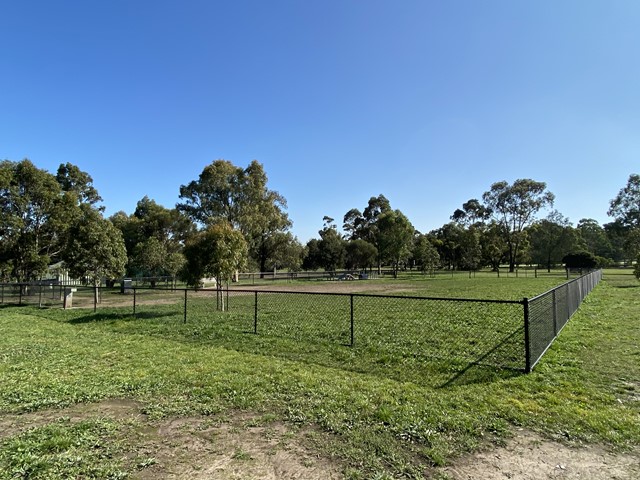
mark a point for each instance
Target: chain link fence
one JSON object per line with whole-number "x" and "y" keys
{"x": 548, "y": 313}
{"x": 501, "y": 333}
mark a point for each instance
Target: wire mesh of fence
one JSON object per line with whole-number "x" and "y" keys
{"x": 507, "y": 334}
{"x": 549, "y": 312}
{"x": 41, "y": 294}
{"x": 478, "y": 331}
{"x": 469, "y": 331}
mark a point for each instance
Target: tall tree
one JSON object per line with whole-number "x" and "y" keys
{"x": 217, "y": 252}
{"x": 154, "y": 237}
{"x": 426, "y": 254}
{"x": 331, "y": 247}
{"x": 360, "y": 254}
{"x": 287, "y": 252}
{"x": 470, "y": 249}
{"x": 95, "y": 248}
{"x": 494, "y": 247}
{"x": 34, "y": 216}
{"x": 447, "y": 240}
{"x": 241, "y": 198}
{"x": 551, "y": 239}
{"x": 594, "y": 238}
{"x": 395, "y": 238}
{"x": 514, "y": 207}
{"x": 364, "y": 225}
{"x": 472, "y": 212}
{"x": 312, "y": 260}
{"x": 617, "y": 234}
{"x": 625, "y": 207}
{"x": 72, "y": 179}
{"x": 151, "y": 258}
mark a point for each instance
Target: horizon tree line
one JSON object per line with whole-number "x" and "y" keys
{"x": 228, "y": 219}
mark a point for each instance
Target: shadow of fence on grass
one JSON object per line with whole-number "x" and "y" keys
{"x": 102, "y": 317}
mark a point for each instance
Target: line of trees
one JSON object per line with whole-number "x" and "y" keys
{"x": 228, "y": 219}
{"x": 502, "y": 228}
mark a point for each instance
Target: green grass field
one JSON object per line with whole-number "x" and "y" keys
{"x": 379, "y": 410}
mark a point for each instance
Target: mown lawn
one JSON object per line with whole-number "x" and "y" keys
{"x": 382, "y": 415}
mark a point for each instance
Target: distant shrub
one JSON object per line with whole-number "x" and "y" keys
{"x": 604, "y": 262}
{"x": 581, "y": 259}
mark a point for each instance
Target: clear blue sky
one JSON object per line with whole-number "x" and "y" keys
{"x": 427, "y": 102}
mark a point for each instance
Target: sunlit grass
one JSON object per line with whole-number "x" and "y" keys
{"x": 379, "y": 413}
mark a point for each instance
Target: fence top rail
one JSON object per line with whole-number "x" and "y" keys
{"x": 564, "y": 285}
{"x": 336, "y": 294}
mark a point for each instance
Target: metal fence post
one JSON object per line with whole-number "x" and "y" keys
{"x": 185, "y": 305}
{"x": 134, "y": 301}
{"x": 2, "y": 294}
{"x": 352, "y": 320}
{"x": 527, "y": 345}
{"x": 20, "y": 294}
{"x": 555, "y": 313}
{"x": 95, "y": 298}
{"x": 255, "y": 313}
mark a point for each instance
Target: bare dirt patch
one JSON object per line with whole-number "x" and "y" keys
{"x": 332, "y": 286}
{"x": 238, "y": 447}
{"x": 528, "y": 456}
{"x": 118, "y": 409}
{"x": 244, "y": 446}
{"x": 195, "y": 448}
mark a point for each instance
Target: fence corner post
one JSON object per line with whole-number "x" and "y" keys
{"x": 527, "y": 339}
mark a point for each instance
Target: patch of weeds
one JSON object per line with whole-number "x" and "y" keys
{"x": 63, "y": 449}
{"x": 145, "y": 463}
{"x": 240, "y": 454}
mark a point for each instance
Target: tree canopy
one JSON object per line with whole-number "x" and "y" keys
{"x": 217, "y": 251}
{"x": 240, "y": 197}
{"x": 625, "y": 207}
{"x": 37, "y": 210}
{"x": 95, "y": 248}
{"x": 50, "y": 218}
{"x": 514, "y": 207}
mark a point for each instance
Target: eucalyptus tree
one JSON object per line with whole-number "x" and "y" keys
{"x": 625, "y": 207}
{"x": 218, "y": 251}
{"x": 360, "y": 254}
{"x": 471, "y": 213}
{"x": 240, "y": 197}
{"x": 514, "y": 207}
{"x": 551, "y": 239}
{"x": 364, "y": 225}
{"x": 287, "y": 252}
{"x": 331, "y": 247}
{"x": 494, "y": 247}
{"x": 426, "y": 254}
{"x": 72, "y": 179}
{"x": 31, "y": 219}
{"x": 395, "y": 238}
{"x": 95, "y": 248}
{"x": 594, "y": 237}
{"x": 36, "y": 211}
{"x": 154, "y": 237}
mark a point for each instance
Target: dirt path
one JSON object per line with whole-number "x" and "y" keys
{"x": 527, "y": 456}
